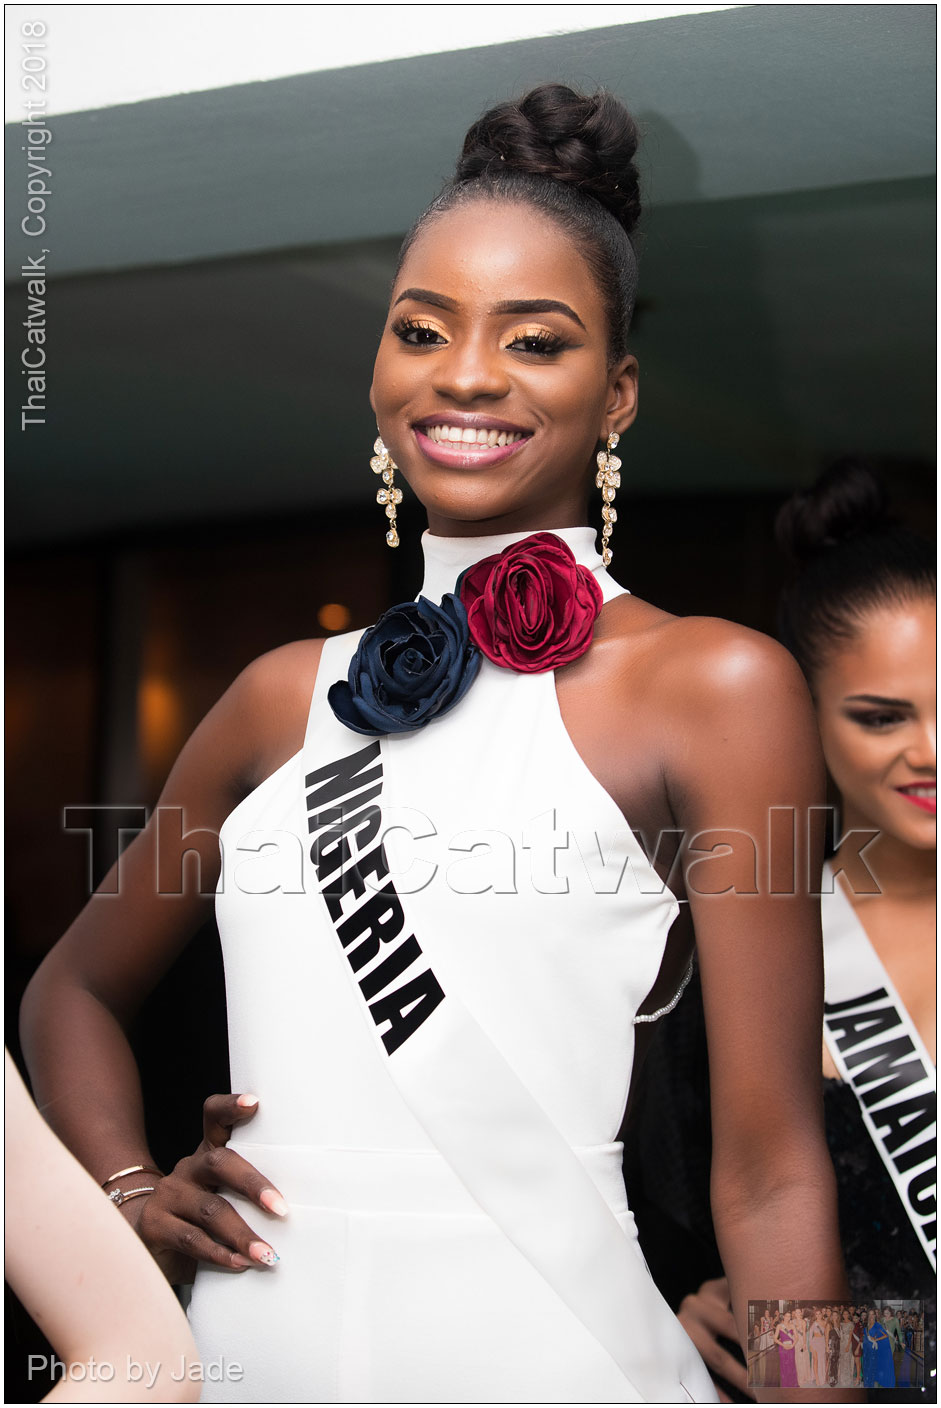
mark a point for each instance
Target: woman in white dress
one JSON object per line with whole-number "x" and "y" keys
{"x": 817, "y": 1344}
{"x": 444, "y": 944}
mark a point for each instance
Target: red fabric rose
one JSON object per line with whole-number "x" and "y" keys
{"x": 531, "y": 608}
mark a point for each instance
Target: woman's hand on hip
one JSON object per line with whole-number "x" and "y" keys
{"x": 186, "y": 1220}
{"x": 705, "y": 1316}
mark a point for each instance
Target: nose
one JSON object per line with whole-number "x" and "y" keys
{"x": 471, "y": 367}
{"x": 921, "y": 750}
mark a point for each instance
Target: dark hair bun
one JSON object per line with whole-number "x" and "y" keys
{"x": 849, "y": 558}
{"x": 846, "y": 501}
{"x": 585, "y": 142}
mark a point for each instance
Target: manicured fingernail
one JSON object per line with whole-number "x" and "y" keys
{"x": 239, "y": 1261}
{"x": 247, "y": 1100}
{"x": 260, "y": 1251}
{"x": 273, "y": 1201}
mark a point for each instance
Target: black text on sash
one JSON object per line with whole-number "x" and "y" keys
{"x": 346, "y": 850}
{"x": 882, "y": 1066}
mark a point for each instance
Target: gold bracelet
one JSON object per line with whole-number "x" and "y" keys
{"x": 134, "y": 1168}
{"x": 117, "y": 1197}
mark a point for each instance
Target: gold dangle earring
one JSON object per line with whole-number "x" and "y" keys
{"x": 383, "y": 463}
{"x": 608, "y": 479}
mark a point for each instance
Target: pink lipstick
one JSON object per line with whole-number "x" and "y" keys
{"x": 922, "y": 794}
{"x": 462, "y": 441}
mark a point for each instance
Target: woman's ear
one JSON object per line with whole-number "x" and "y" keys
{"x": 621, "y": 408}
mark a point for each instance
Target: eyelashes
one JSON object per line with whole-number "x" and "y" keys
{"x": 416, "y": 333}
{"x": 537, "y": 343}
{"x": 875, "y": 719}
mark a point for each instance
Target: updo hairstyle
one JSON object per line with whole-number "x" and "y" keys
{"x": 571, "y": 157}
{"x": 849, "y": 558}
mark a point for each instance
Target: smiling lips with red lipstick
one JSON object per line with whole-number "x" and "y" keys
{"x": 923, "y": 794}
{"x": 460, "y": 441}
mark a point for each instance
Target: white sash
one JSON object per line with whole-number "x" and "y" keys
{"x": 878, "y": 1052}
{"x": 472, "y": 1104}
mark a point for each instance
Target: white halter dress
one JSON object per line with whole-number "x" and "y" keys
{"x": 435, "y": 945}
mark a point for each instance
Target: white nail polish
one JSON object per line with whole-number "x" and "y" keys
{"x": 262, "y": 1252}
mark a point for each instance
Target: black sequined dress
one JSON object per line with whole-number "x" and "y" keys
{"x": 668, "y": 1177}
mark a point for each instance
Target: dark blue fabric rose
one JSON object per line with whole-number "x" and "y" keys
{"x": 413, "y": 665}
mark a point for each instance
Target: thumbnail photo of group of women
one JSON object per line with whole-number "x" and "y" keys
{"x": 815, "y": 1344}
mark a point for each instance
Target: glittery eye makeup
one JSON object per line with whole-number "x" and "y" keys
{"x": 416, "y": 333}
{"x": 530, "y": 341}
{"x": 539, "y": 342}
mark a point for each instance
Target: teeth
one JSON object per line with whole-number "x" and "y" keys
{"x": 921, "y": 791}
{"x": 459, "y": 435}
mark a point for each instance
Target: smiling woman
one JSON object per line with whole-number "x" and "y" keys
{"x": 860, "y": 615}
{"x": 443, "y": 1064}
{"x": 467, "y": 381}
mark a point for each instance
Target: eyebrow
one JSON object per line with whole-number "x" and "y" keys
{"x": 538, "y": 305}
{"x": 511, "y": 305}
{"x": 877, "y": 699}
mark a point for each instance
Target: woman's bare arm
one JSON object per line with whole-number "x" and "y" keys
{"x": 79, "y": 1003}
{"x": 84, "y": 1277}
{"x": 746, "y": 763}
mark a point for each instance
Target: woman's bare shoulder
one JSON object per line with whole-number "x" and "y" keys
{"x": 282, "y": 679}
{"x": 709, "y": 656}
{"x": 268, "y": 703}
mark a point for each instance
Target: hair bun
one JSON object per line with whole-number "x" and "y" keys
{"x": 844, "y": 502}
{"x": 585, "y": 142}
